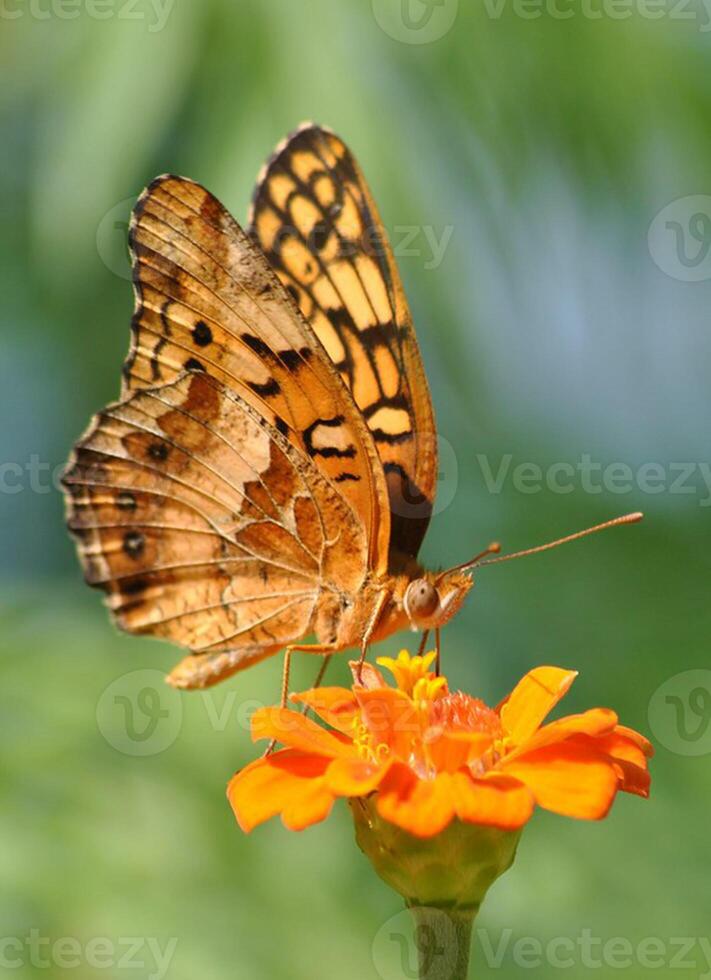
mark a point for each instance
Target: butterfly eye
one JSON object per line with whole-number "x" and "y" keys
{"x": 421, "y": 599}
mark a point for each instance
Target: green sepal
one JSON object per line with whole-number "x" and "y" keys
{"x": 451, "y": 870}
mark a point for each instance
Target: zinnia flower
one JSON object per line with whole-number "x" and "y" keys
{"x": 422, "y": 756}
{"x": 439, "y": 784}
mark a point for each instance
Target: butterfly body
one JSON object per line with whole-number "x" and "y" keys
{"x": 269, "y": 470}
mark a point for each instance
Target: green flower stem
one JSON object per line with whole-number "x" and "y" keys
{"x": 443, "y": 879}
{"x": 443, "y": 940}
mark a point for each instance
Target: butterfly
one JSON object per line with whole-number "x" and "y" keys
{"x": 269, "y": 470}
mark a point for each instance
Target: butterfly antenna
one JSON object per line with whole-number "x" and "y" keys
{"x": 492, "y": 549}
{"x": 625, "y": 519}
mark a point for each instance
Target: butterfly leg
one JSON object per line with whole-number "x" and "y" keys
{"x": 380, "y": 602}
{"x": 324, "y": 648}
{"x": 319, "y": 679}
{"x": 437, "y": 658}
{"x": 321, "y": 672}
{"x": 423, "y": 643}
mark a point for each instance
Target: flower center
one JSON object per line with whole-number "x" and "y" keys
{"x": 460, "y": 712}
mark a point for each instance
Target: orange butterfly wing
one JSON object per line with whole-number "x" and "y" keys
{"x": 236, "y": 488}
{"x": 316, "y": 221}
{"x": 206, "y": 527}
{"x": 207, "y": 300}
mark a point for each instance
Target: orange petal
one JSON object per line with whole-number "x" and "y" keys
{"x": 596, "y": 722}
{"x": 390, "y": 717}
{"x": 571, "y": 779}
{"x": 354, "y": 777}
{"x": 618, "y": 745}
{"x": 269, "y": 785}
{"x": 335, "y": 705}
{"x": 423, "y": 807}
{"x": 495, "y": 800}
{"x": 311, "y": 805}
{"x": 449, "y": 751}
{"x": 628, "y": 759}
{"x": 298, "y": 732}
{"x": 633, "y": 779}
{"x": 643, "y": 744}
{"x": 531, "y": 700}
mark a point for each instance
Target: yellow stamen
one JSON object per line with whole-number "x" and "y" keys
{"x": 367, "y": 750}
{"x": 408, "y": 670}
{"x": 429, "y": 688}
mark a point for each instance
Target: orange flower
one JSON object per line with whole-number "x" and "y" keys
{"x": 430, "y": 755}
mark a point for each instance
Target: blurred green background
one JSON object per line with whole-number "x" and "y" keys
{"x": 539, "y": 148}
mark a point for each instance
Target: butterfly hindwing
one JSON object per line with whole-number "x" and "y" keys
{"x": 205, "y": 526}
{"x": 315, "y": 219}
{"x": 207, "y": 301}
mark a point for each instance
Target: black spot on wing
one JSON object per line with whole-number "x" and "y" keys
{"x": 192, "y": 364}
{"x": 319, "y": 235}
{"x": 126, "y": 501}
{"x": 289, "y": 358}
{"x": 269, "y": 389}
{"x": 202, "y": 335}
{"x": 293, "y": 359}
{"x": 134, "y": 544}
{"x": 256, "y": 344}
{"x": 134, "y": 586}
{"x": 159, "y": 451}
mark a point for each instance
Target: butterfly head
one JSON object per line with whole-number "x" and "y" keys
{"x": 431, "y": 600}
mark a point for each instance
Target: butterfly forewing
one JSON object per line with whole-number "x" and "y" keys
{"x": 316, "y": 221}
{"x": 207, "y": 301}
